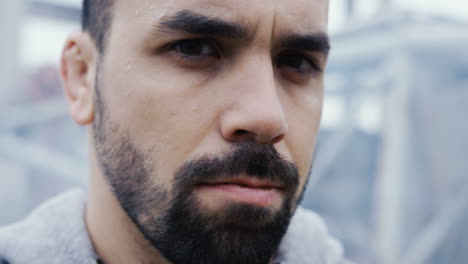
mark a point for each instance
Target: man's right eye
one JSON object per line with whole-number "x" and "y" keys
{"x": 194, "y": 49}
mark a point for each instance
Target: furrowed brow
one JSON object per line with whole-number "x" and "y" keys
{"x": 198, "y": 24}
{"x": 313, "y": 42}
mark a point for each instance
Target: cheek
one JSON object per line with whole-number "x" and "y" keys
{"x": 304, "y": 145}
{"x": 164, "y": 116}
{"x": 304, "y": 124}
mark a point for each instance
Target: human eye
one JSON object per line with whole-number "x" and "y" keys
{"x": 297, "y": 66}
{"x": 195, "y": 50}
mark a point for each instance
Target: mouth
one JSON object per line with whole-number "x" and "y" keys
{"x": 246, "y": 190}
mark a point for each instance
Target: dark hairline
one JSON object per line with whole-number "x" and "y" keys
{"x": 96, "y": 20}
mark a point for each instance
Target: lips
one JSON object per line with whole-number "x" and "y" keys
{"x": 244, "y": 190}
{"x": 248, "y": 182}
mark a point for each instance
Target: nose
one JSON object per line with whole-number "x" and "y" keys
{"x": 256, "y": 114}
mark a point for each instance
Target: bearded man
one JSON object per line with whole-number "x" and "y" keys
{"x": 202, "y": 118}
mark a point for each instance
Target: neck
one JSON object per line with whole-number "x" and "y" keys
{"x": 115, "y": 237}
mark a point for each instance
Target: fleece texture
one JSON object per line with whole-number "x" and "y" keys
{"x": 55, "y": 233}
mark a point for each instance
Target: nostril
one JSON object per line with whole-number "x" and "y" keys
{"x": 277, "y": 139}
{"x": 241, "y": 133}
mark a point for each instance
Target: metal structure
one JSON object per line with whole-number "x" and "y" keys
{"x": 11, "y": 14}
{"x": 23, "y": 159}
{"x": 398, "y": 58}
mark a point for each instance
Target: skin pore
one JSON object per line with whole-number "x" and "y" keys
{"x": 189, "y": 95}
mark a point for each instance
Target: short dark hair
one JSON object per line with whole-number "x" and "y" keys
{"x": 96, "y": 18}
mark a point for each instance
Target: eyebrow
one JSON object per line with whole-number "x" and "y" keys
{"x": 319, "y": 42}
{"x": 193, "y": 23}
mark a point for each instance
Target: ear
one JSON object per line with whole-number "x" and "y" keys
{"x": 78, "y": 71}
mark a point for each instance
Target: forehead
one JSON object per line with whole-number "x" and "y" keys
{"x": 298, "y": 15}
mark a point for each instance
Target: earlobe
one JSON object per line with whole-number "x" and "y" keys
{"x": 78, "y": 70}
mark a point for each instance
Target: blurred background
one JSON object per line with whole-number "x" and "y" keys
{"x": 391, "y": 171}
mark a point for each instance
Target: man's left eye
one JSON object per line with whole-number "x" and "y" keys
{"x": 196, "y": 48}
{"x": 298, "y": 63}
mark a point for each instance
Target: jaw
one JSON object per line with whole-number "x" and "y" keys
{"x": 105, "y": 217}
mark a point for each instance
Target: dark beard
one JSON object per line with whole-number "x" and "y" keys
{"x": 239, "y": 233}
{"x": 188, "y": 240}
{"x": 175, "y": 222}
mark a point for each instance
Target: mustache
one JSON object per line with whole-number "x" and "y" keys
{"x": 260, "y": 162}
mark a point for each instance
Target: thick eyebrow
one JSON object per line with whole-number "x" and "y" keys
{"x": 319, "y": 42}
{"x": 193, "y": 23}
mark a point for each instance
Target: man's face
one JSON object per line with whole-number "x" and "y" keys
{"x": 207, "y": 114}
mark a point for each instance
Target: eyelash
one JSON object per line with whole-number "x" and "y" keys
{"x": 214, "y": 45}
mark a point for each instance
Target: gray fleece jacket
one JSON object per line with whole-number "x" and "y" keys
{"x": 55, "y": 233}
